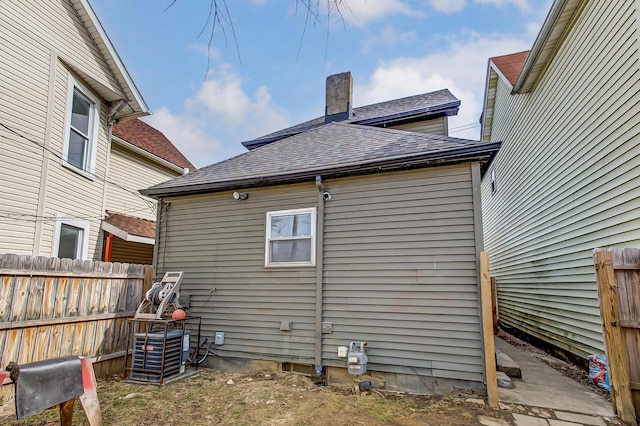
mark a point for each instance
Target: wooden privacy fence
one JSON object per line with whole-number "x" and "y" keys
{"x": 618, "y": 277}
{"x": 52, "y": 307}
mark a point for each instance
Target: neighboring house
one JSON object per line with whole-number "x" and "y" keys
{"x": 341, "y": 232}
{"x": 62, "y": 86}
{"x": 566, "y": 178}
{"x": 140, "y": 156}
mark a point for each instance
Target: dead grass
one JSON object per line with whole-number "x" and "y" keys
{"x": 262, "y": 398}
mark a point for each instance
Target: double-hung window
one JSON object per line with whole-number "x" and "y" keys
{"x": 81, "y": 132}
{"x": 291, "y": 238}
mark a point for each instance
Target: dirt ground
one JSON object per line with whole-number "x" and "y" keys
{"x": 262, "y": 398}
{"x": 278, "y": 398}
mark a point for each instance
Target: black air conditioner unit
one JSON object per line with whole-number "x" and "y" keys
{"x": 157, "y": 357}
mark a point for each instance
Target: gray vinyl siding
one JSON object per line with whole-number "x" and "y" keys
{"x": 567, "y": 179}
{"x": 130, "y": 252}
{"x": 400, "y": 272}
{"x": 436, "y": 126}
{"x": 219, "y": 243}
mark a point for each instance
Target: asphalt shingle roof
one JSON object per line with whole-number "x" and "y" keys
{"x": 394, "y": 109}
{"x": 329, "y": 148}
{"x": 511, "y": 65}
{"x": 140, "y": 134}
{"x": 132, "y": 225}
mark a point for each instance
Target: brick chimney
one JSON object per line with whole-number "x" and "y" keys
{"x": 339, "y": 97}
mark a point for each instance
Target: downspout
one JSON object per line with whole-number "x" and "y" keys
{"x": 156, "y": 246}
{"x": 319, "y": 274}
{"x": 108, "y": 248}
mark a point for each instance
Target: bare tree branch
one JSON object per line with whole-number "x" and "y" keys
{"x": 220, "y": 16}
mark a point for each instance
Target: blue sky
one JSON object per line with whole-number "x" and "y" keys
{"x": 393, "y": 48}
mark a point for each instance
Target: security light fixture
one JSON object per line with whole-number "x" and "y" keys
{"x": 240, "y": 195}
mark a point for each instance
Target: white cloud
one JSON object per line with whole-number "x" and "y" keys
{"x": 359, "y": 12}
{"x": 522, "y": 4}
{"x": 460, "y": 67}
{"x": 448, "y": 6}
{"x": 453, "y": 6}
{"x": 390, "y": 37}
{"x": 219, "y": 116}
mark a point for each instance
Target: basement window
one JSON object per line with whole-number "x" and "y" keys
{"x": 71, "y": 238}
{"x": 291, "y": 238}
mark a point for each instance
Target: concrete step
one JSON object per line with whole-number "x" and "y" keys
{"x": 505, "y": 364}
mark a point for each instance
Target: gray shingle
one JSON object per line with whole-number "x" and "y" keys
{"x": 397, "y": 108}
{"x": 331, "y": 147}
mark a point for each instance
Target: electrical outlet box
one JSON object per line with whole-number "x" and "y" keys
{"x": 219, "y": 338}
{"x": 342, "y": 351}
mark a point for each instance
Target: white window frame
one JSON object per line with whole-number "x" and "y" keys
{"x": 94, "y": 119}
{"x": 77, "y": 223}
{"x": 268, "y": 239}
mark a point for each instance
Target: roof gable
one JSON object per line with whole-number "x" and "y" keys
{"x": 334, "y": 149}
{"x": 509, "y": 66}
{"x": 506, "y": 67}
{"x": 135, "y": 104}
{"x": 151, "y": 140}
{"x": 411, "y": 108}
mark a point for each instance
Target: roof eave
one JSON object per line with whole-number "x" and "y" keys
{"x": 110, "y": 51}
{"x": 545, "y": 46}
{"x": 481, "y": 152}
{"x": 166, "y": 163}
{"x": 448, "y": 109}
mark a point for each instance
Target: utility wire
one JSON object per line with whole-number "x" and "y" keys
{"x": 149, "y": 204}
{"x": 27, "y": 217}
{"x": 463, "y": 127}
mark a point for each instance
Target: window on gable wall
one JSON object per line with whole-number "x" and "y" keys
{"x": 81, "y": 131}
{"x": 291, "y": 239}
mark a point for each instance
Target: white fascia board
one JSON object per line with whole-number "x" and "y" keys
{"x": 123, "y": 235}
{"x": 148, "y": 155}
{"x": 526, "y": 78}
{"x": 114, "y": 55}
{"x": 493, "y": 67}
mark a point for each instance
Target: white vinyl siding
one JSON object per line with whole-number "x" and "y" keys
{"x": 81, "y": 128}
{"x": 31, "y": 34}
{"x": 569, "y": 170}
{"x": 71, "y": 238}
{"x": 128, "y": 173}
{"x": 24, "y": 76}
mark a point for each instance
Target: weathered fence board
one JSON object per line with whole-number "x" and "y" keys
{"x": 53, "y": 307}
{"x": 618, "y": 279}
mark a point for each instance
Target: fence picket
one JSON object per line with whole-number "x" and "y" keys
{"x": 39, "y": 294}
